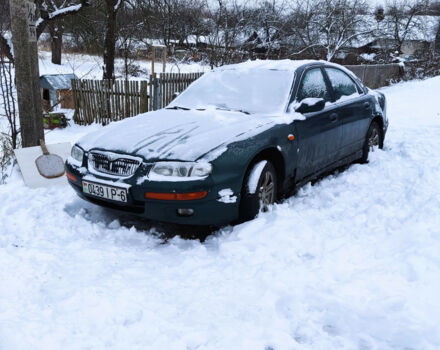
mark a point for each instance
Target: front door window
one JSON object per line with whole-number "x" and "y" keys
{"x": 313, "y": 85}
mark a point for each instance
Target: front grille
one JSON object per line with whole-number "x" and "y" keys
{"x": 113, "y": 164}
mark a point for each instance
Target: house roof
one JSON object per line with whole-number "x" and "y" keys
{"x": 57, "y": 81}
{"x": 424, "y": 28}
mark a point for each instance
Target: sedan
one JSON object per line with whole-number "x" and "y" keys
{"x": 234, "y": 142}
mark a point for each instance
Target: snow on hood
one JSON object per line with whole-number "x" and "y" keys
{"x": 177, "y": 134}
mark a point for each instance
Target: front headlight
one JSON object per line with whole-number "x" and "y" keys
{"x": 179, "y": 171}
{"x": 77, "y": 154}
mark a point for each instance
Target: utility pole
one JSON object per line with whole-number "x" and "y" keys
{"x": 24, "y": 40}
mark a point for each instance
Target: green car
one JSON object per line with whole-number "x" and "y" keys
{"x": 235, "y": 141}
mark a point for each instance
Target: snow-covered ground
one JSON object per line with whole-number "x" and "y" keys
{"x": 352, "y": 262}
{"x": 90, "y": 67}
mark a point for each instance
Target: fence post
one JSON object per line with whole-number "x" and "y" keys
{"x": 156, "y": 92}
{"x": 144, "y": 97}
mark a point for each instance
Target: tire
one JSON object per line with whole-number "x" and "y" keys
{"x": 372, "y": 140}
{"x": 265, "y": 192}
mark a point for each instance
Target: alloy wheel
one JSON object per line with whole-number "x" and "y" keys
{"x": 267, "y": 191}
{"x": 373, "y": 140}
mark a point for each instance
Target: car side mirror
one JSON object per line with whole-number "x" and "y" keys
{"x": 310, "y": 104}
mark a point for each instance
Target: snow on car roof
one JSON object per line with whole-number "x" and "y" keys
{"x": 287, "y": 65}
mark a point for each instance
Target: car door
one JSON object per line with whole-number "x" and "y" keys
{"x": 354, "y": 108}
{"x": 319, "y": 134}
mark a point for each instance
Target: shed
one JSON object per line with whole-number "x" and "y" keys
{"x": 57, "y": 89}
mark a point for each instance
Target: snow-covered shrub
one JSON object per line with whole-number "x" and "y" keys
{"x": 421, "y": 69}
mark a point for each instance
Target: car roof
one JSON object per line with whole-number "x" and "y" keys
{"x": 283, "y": 65}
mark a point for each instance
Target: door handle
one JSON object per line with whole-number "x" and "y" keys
{"x": 367, "y": 105}
{"x": 333, "y": 117}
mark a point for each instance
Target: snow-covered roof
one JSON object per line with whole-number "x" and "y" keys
{"x": 423, "y": 29}
{"x": 57, "y": 81}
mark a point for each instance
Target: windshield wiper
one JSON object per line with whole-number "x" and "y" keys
{"x": 232, "y": 110}
{"x": 178, "y": 107}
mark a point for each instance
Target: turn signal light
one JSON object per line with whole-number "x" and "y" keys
{"x": 71, "y": 177}
{"x": 176, "y": 196}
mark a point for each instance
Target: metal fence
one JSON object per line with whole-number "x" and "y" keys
{"x": 104, "y": 101}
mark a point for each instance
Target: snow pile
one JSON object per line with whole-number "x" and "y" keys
{"x": 350, "y": 263}
{"x": 90, "y": 67}
{"x": 227, "y": 196}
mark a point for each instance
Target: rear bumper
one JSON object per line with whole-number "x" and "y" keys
{"x": 208, "y": 211}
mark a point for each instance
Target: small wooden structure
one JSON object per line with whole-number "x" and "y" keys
{"x": 153, "y": 57}
{"x": 56, "y": 89}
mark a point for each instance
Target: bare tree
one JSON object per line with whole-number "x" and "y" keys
{"x": 226, "y": 28}
{"x": 437, "y": 41}
{"x": 8, "y": 101}
{"x": 111, "y": 10}
{"x": 8, "y": 98}
{"x": 26, "y": 72}
{"x": 5, "y": 48}
{"x": 402, "y": 20}
{"x": 329, "y": 25}
{"x": 52, "y": 15}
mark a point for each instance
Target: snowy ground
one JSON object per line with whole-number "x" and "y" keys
{"x": 90, "y": 67}
{"x": 352, "y": 262}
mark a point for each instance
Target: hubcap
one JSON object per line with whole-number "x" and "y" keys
{"x": 267, "y": 191}
{"x": 373, "y": 140}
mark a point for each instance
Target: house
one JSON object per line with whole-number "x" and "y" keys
{"x": 419, "y": 38}
{"x": 56, "y": 89}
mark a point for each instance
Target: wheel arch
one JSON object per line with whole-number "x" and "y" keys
{"x": 273, "y": 155}
{"x": 379, "y": 120}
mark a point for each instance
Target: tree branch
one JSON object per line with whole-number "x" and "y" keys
{"x": 47, "y": 16}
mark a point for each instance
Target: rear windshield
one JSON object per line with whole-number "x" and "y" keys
{"x": 252, "y": 91}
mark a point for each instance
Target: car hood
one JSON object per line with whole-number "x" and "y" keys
{"x": 177, "y": 134}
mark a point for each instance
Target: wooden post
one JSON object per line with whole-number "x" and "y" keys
{"x": 153, "y": 57}
{"x": 27, "y": 80}
{"x": 164, "y": 59}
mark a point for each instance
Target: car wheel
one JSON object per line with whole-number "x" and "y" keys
{"x": 259, "y": 190}
{"x": 372, "y": 141}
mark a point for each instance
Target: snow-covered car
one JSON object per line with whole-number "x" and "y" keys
{"x": 238, "y": 139}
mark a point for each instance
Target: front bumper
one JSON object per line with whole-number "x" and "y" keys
{"x": 207, "y": 211}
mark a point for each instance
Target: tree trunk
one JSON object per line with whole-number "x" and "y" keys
{"x": 110, "y": 42}
{"x": 56, "y": 41}
{"x": 38, "y": 109}
{"x": 26, "y": 76}
{"x": 437, "y": 41}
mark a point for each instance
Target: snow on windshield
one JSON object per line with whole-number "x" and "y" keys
{"x": 252, "y": 90}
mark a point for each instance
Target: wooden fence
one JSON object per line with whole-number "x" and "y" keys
{"x": 164, "y": 86}
{"x": 103, "y": 101}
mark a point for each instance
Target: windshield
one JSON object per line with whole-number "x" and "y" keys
{"x": 249, "y": 91}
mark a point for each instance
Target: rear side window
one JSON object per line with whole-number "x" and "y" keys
{"x": 342, "y": 84}
{"x": 313, "y": 85}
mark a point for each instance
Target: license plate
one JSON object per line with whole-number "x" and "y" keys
{"x": 103, "y": 191}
